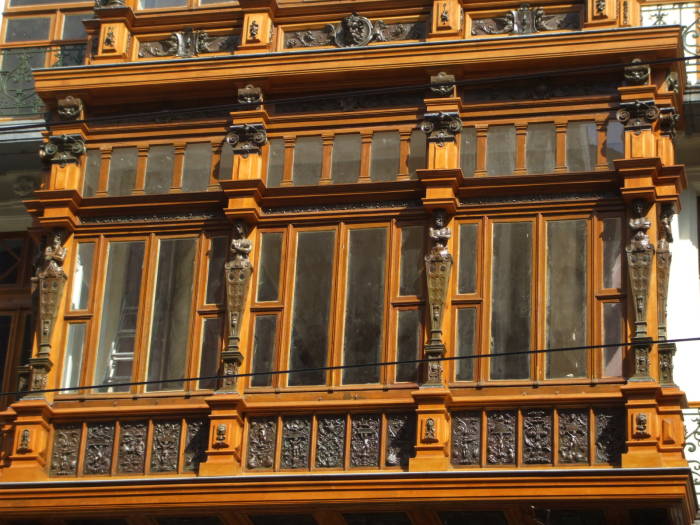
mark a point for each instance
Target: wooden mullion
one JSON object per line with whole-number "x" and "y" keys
{"x": 341, "y": 259}
{"x": 146, "y": 298}
{"x": 484, "y": 364}
{"x": 539, "y": 299}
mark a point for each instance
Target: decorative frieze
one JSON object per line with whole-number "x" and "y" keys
{"x": 237, "y": 273}
{"x": 438, "y": 264}
{"x": 132, "y": 447}
{"x": 351, "y": 103}
{"x": 609, "y": 435}
{"x": 296, "y": 442}
{"x": 355, "y": 31}
{"x": 187, "y": 44}
{"x": 466, "y": 438}
{"x": 262, "y": 436}
{"x": 195, "y": 444}
{"x": 525, "y": 20}
{"x": 401, "y": 430}
{"x": 66, "y": 446}
{"x": 441, "y": 127}
{"x": 573, "y": 436}
{"x": 638, "y": 114}
{"x": 62, "y": 149}
{"x": 99, "y": 448}
{"x": 246, "y": 138}
{"x": 500, "y": 435}
{"x": 640, "y": 252}
{"x": 330, "y": 442}
{"x": 364, "y": 440}
{"x": 537, "y": 436}
{"x": 165, "y": 446}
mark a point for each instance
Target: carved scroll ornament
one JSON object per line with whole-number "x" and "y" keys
{"x": 187, "y": 44}
{"x": 638, "y": 114}
{"x": 438, "y": 264}
{"x": 525, "y": 20}
{"x": 640, "y": 252}
{"x": 238, "y": 271}
{"x": 246, "y": 138}
{"x": 62, "y": 149}
{"x": 441, "y": 127}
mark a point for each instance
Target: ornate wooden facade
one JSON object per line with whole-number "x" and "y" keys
{"x": 366, "y": 262}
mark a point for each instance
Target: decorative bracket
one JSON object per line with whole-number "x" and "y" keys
{"x": 62, "y": 149}
{"x": 69, "y": 108}
{"x": 250, "y": 94}
{"x": 246, "y": 138}
{"x": 442, "y": 84}
{"x": 438, "y": 264}
{"x": 238, "y": 271}
{"x": 638, "y": 114}
{"x": 639, "y": 254}
{"x": 667, "y": 120}
{"x": 441, "y": 127}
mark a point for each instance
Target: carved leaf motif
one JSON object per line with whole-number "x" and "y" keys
{"x": 364, "y": 441}
{"x": 537, "y": 436}
{"x": 262, "y": 435}
{"x": 296, "y": 442}
{"x": 401, "y": 439}
{"x": 66, "y": 444}
{"x": 501, "y": 437}
{"x": 466, "y": 438}
{"x": 98, "y": 450}
{"x": 573, "y": 436}
{"x": 165, "y": 446}
{"x": 132, "y": 447}
{"x": 330, "y": 442}
{"x": 195, "y": 444}
{"x": 609, "y": 434}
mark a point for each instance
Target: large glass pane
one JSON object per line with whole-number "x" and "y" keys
{"x": 567, "y": 254}
{"x": 159, "y": 168}
{"x": 581, "y": 145}
{"x": 270, "y": 264}
{"x": 418, "y": 149}
{"x": 345, "y": 168}
{"x": 82, "y": 276}
{"x": 466, "y": 333}
{"x": 171, "y": 313}
{"x": 209, "y": 358}
{"x": 264, "y": 349}
{"x": 612, "y": 252}
{"x": 197, "y": 169}
{"x": 541, "y": 147}
{"x": 500, "y": 150}
{"x": 308, "y": 157}
{"x": 467, "y": 257}
{"x": 5, "y": 326}
{"x": 313, "y": 278}
{"x": 73, "y": 28}
{"x": 27, "y": 29}
{"x": 386, "y": 147}
{"x": 412, "y": 260}
{"x": 92, "y": 172}
{"x": 73, "y": 358}
{"x": 120, "y": 309}
{"x": 612, "y": 333}
{"x": 18, "y": 3}
{"x": 215, "y": 271}
{"x": 10, "y": 258}
{"x": 614, "y": 142}
{"x": 226, "y": 162}
{"x": 408, "y": 344}
{"x": 122, "y": 171}
{"x": 467, "y": 151}
{"x": 364, "y": 309}
{"x": 155, "y": 4}
{"x": 275, "y": 162}
{"x": 511, "y": 275}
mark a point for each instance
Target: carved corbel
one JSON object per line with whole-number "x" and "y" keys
{"x": 637, "y": 73}
{"x": 246, "y": 138}
{"x": 238, "y": 271}
{"x": 668, "y": 118}
{"x": 441, "y": 127}
{"x": 638, "y": 114}
{"x": 641, "y": 348}
{"x": 62, "y": 149}
{"x": 49, "y": 282}
{"x": 640, "y": 252}
{"x": 250, "y": 94}
{"x": 442, "y": 84}
{"x": 69, "y": 108}
{"x": 438, "y": 264}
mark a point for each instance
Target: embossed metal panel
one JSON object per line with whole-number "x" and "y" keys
{"x": 401, "y": 438}
{"x": 364, "y": 441}
{"x": 66, "y": 444}
{"x": 466, "y": 438}
{"x": 501, "y": 432}
{"x": 262, "y": 434}
{"x": 195, "y": 444}
{"x": 165, "y": 446}
{"x": 296, "y": 442}
{"x": 537, "y": 436}
{"x": 99, "y": 448}
{"x": 330, "y": 441}
{"x": 609, "y": 435}
{"x": 132, "y": 447}
{"x": 573, "y": 436}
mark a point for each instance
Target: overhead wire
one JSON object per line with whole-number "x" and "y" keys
{"x": 73, "y": 389}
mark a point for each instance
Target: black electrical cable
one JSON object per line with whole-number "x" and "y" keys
{"x": 358, "y": 92}
{"x": 343, "y": 367}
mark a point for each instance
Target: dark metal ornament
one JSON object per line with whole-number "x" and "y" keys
{"x": 466, "y": 438}
{"x": 640, "y": 252}
{"x": 501, "y": 432}
{"x": 537, "y": 436}
{"x": 132, "y": 447}
{"x": 98, "y": 449}
{"x": 165, "y": 446}
{"x": 66, "y": 445}
{"x": 441, "y": 127}
{"x": 330, "y": 442}
{"x": 62, "y": 149}
{"x": 262, "y": 437}
{"x": 296, "y": 442}
{"x": 401, "y": 430}
{"x": 364, "y": 441}
{"x": 610, "y": 435}
{"x": 573, "y": 436}
{"x": 195, "y": 444}
{"x": 246, "y": 138}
